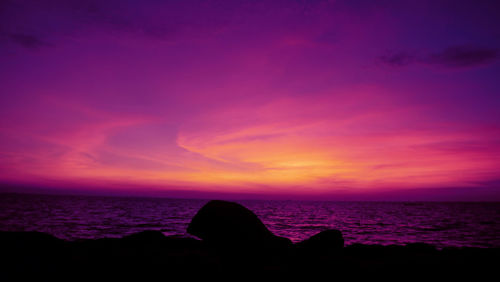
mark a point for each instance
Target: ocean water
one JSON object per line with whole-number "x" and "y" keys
{"x": 442, "y": 224}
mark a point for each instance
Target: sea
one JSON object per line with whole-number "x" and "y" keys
{"x": 442, "y": 224}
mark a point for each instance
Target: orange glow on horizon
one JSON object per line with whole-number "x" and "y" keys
{"x": 280, "y": 149}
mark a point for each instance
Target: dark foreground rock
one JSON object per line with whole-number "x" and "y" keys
{"x": 231, "y": 225}
{"x": 227, "y": 221}
{"x": 326, "y": 242}
{"x": 148, "y": 255}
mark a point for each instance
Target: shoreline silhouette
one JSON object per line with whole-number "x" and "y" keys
{"x": 231, "y": 241}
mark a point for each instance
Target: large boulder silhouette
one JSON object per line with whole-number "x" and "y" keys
{"x": 325, "y": 242}
{"x": 228, "y": 223}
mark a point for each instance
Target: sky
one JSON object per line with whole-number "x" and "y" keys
{"x": 270, "y": 99}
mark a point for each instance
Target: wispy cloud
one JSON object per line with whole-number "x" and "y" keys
{"x": 463, "y": 56}
{"x": 453, "y": 57}
{"x": 29, "y": 41}
{"x": 397, "y": 59}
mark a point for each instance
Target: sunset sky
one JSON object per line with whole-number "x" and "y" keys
{"x": 298, "y": 99}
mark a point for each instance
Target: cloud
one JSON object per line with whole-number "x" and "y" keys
{"x": 463, "y": 56}
{"x": 26, "y": 40}
{"x": 452, "y": 57}
{"x": 59, "y": 19}
{"x": 397, "y": 59}
{"x": 301, "y": 142}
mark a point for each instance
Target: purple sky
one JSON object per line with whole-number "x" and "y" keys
{"x": 273, "y": 99}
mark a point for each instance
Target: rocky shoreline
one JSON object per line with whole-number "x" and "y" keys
{"x": 232, "y": 241}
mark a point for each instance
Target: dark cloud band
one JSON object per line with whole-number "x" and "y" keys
{"x": 451, "y": 57}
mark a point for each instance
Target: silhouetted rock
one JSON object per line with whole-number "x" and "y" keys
{"x": 421, "y": 248}
{"x": 325, "y": 242}
{"x": 29, "y": 237}
{"x": 145, "y": 236}
{"x": 26, "y": 254}
{"x": 31, "y": 240}
{"x": 228, "y": 223}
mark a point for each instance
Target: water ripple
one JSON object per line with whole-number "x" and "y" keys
{"x": 77, "y": 217}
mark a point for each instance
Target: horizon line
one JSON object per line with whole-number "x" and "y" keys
{"x": 436, "y": 194}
